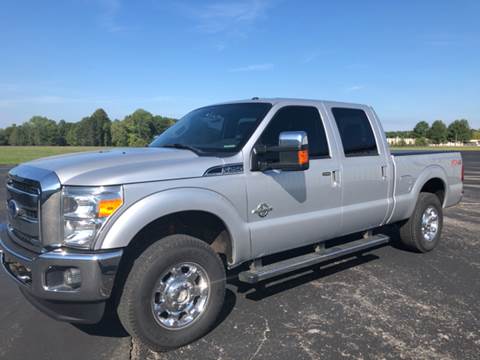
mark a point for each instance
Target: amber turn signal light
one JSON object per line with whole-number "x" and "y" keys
{"x": 302, "y": 157}
{"x": 107, "y": 207}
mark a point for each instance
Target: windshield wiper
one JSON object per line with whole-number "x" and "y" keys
{"x": 183, "y": 146}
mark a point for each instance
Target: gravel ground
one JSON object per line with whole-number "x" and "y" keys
{"x": 388, "y": 304}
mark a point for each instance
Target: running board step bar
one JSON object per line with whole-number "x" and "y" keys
{"x": 260, "y": 273}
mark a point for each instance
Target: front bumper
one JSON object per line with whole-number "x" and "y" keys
{"x": 83, "y": 304}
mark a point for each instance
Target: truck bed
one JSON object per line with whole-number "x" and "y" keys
{"x": 412, "y": 170}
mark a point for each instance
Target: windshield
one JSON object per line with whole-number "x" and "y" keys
{"x": 215, "y": 129}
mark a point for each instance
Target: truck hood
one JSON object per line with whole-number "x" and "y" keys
{"x": 123, "y": 166}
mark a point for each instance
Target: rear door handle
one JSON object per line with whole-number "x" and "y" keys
{"x": 335, "y": 177}
{"x": 384, "y": 171}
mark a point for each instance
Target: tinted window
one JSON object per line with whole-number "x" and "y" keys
{"x": 298, "y": 118}
{"x": 215, "y": 129}
{"x": 355, "y": 131}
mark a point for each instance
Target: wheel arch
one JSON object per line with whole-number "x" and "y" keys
{"x": 437, "y": 187}
{"x": 433, "y": 178}
{"x": 187, "y": 210}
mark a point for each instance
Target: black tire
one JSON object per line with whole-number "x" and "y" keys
{"x": 135, "y": 305}
{"x": 411, "y": 234}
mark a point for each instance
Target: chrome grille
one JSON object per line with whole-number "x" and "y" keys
{"x": 23, "y": 199}
{"x": 23, "y": 186}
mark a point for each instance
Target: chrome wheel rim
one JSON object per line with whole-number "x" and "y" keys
{"x": 180, "y": 296}
{"x": 430, "y": 223}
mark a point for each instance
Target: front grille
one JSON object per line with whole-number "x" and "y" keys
{"x": 31, "y": 214}
{"x": 23, "y": 197}
{"x": 25, "y": 186}
{"x": 24, "y": 237}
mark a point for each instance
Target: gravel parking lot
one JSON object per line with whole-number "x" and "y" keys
{"x": 387, "y": 304}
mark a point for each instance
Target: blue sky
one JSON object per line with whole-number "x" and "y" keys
{"x": 411, "y": 60}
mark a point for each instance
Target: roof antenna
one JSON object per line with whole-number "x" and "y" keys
{"x": 255, "y": 98}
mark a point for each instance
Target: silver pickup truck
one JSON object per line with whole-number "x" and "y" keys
{"x": 150, "y": 232}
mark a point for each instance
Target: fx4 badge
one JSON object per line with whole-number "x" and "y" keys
{"x": 262, "y": 210}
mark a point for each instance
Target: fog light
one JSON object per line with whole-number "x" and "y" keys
{"x": 72, "y": 278}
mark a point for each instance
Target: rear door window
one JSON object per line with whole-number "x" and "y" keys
{"x": 355, "y": 131}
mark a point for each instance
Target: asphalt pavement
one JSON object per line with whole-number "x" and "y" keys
{"x": 386, "y": 304}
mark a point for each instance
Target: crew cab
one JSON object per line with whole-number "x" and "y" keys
{"x": 152, "y": 231}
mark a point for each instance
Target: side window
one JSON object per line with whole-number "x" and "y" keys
{"x": 355, "y": 131}
{"x": 298, "y": 118}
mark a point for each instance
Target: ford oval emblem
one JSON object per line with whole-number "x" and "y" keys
{"x": 13, "y": 208}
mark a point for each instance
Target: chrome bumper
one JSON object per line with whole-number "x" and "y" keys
{"x": 32, "y": 271}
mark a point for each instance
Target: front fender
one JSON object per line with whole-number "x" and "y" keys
{"x": 157, "y": 205}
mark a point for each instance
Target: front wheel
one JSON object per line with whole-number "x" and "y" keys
{"x": 173, "y": 294}
{"x": 423, "y": 230}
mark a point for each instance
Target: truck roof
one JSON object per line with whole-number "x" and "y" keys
{"x": 296, "y": 101}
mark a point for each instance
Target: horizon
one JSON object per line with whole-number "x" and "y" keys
{"x": 176, "y": 119}
{"x": 410, "y": 61}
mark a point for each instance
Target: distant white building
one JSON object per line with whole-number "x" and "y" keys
{"x": 450, "y": 143}
{"x": 394, "y": 141}
{"x": 474, "y": 142}
{"x": 400, "y": 141}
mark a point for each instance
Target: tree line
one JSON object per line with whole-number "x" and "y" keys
{"x": 438, "y": 132}
{"x": 136, "y": 129}
{"x": 140, "y": 127}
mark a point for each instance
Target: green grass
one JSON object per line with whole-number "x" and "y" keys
{"x": 11, "y": 155}
{"x": 454, "y": 148}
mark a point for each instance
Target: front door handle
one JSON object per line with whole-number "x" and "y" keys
{"x": 333, "y": 174}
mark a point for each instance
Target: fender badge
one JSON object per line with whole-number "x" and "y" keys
{"x": 262, "y": 210}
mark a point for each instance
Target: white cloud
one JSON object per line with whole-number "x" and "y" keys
{"x": 33, "y": 100}
{"x": 309, "y": 58}
{"x": 231, "y": 16}
{"x": 53, "y": 99}
{"x": 354, "y": 88}
{"x": 108, "y": 18}
{"x": 253, "y": 67}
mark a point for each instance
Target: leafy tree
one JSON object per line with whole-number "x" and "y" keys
{"x": 8, "y": 132}
{"x": 438, "y": 132}
{"x": 119, "y": 134}
{"x": 101, "y": 124}
{"x": 63, "y": 128}
{"x": 72, "y": 135}
{"x": 476, "y": 134}
{"x": 84, "y": 132}
{"x": 18, "y": 136}
{"x": 421, "y": 129}
{"x": 140, "y": 127}
{"x": 459, "y": 130}
{"x": 41, "y": 131}
{"x": 3, "y": 137}
{"x": 421, "y": 141}
{"x": 93, "y": 130}
{"x": 137, "y": 129}
{"x": 162, "y": 123}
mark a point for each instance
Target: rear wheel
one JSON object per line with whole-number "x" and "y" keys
{"x": 173, "y": 294}
{"x": 423, "y": 230}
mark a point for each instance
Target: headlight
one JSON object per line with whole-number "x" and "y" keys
{"x": 85, "y": 210}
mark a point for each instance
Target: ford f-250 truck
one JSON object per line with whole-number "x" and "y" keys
{"x": 152, "y": 230}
